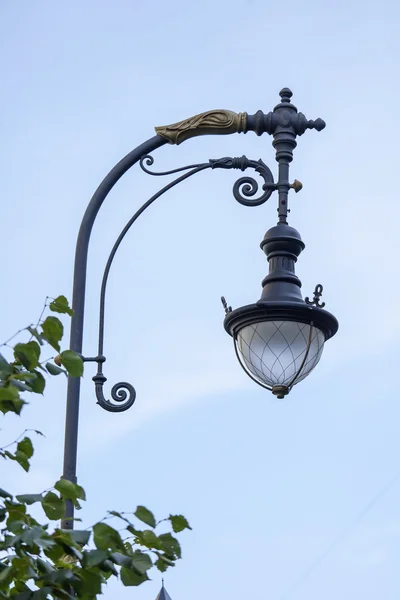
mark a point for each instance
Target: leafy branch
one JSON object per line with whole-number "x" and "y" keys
{"x": 39, "y": 562}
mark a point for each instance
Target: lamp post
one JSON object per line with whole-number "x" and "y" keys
{"x": 279, "y": 339}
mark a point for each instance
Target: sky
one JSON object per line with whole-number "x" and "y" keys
{"x": 288, "y": 500}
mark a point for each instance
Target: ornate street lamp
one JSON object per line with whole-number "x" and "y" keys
{"x": 279, "y": 339}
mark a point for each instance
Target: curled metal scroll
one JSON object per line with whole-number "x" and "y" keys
{"x": 244, "y": 189}
{"x": 148, "y": 160}
{"x": 123, "y": 393}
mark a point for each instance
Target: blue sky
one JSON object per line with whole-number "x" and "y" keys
{"x": 268, "y": 486}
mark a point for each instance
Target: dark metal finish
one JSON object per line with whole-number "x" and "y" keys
{"x": 284, "y": 124}
{"x": 123, "y": 394}
{"x": 78, "y": 305}
{"x": 281, "y": 311}
{"x": 281, "y": 298}
{"x": 317, "y": 295}
{"x": 246, "y": 187}
{"x": 227, "y": 308}
{"x": 147, "y": 161}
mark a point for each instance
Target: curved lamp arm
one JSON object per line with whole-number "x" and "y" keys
{"x": 78, "y": 296}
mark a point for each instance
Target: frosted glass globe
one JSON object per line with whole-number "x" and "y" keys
{"x": 273, "y": 352}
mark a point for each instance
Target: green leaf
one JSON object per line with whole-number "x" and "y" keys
{"x": 5, "y": 494}
{"x": 54, "y": 370}
{"x": 80, "y": 492}
{"x": 26, "y": 594}
{"x": 37, "y": 536}
{"x": 141, "y": 562}
{"x": 179, "y": 523}
{"x": 161, "y": 565}
{"x": 27, "y": 354}
{"x": 106, "y": 537}
{"x": 24, "y": 376}
{"x": 130, "y": 577}
{"x": 34, "y": 333}
{"x": 72, "y": 362}
{"x": 55, "y": 553}
{"x": 5, "y": 574}
{"x": 8, "y": 393}
{"x": 166, "y": 560}
{"x": 44, "y": 566}
{"x": 10, "y": 400}
{"x": 81, "y": 537}
{"x": 26, "y": 447}
{"x": 70, "y": 491}
{"x": 60, "y": 305}
{"x": 146, "y": 538}
{"x": 66, "y": 489}
{"x": 5, "y": 368}
{"x": 29, "y": 498}
{"x": 145, "y": 515}
{"x": 16, "y": 527}
{"x": 42, "y": 593}
{"x": 89, "y": 585}
{"x": 38, "y": 384}
{"x": 20, "y": 385}
{"x": 53, "y": 506}
{"x": 108, "y": 566}
{"x": 22, "y": 459}
{"x": 93, "y": 558}
{"x": 121, "y": 559}
{"x": 22, "y": 568}
{"x": 170, "y": 545}
{"x": 53, "y": 331}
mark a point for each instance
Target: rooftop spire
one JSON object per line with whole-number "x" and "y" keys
{"x": 163, "y": 594}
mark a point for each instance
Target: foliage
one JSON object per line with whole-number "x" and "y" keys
{"x": 41, "y": 560}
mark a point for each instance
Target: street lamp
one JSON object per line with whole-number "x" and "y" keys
{"x": 279, "y": 339}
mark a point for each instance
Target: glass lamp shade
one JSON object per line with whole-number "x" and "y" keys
{"x": 279, "y": 354}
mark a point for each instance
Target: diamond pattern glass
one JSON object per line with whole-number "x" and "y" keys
{"x": 273, "y": 351}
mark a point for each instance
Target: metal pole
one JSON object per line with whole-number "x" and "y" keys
{"x": 78, "y": 305}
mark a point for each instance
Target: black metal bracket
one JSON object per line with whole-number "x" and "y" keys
{"x": 123, "y": 394}
{"x": 227, "y": 308}
{"x": 317, "y": 295}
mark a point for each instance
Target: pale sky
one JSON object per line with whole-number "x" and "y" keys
{"x": 289, "y": 500}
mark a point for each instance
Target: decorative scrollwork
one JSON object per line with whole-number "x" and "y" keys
{"x": 148, "y": 160}
{"x": 317, "y": 295}
{"x": 246, "y": 187}
{"x": 123, "y": 393}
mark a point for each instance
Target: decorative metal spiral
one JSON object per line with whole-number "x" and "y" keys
{"x": 123, "y": 393}
{"x": 148, "y": 160}
{"x": 246, "y": 187}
